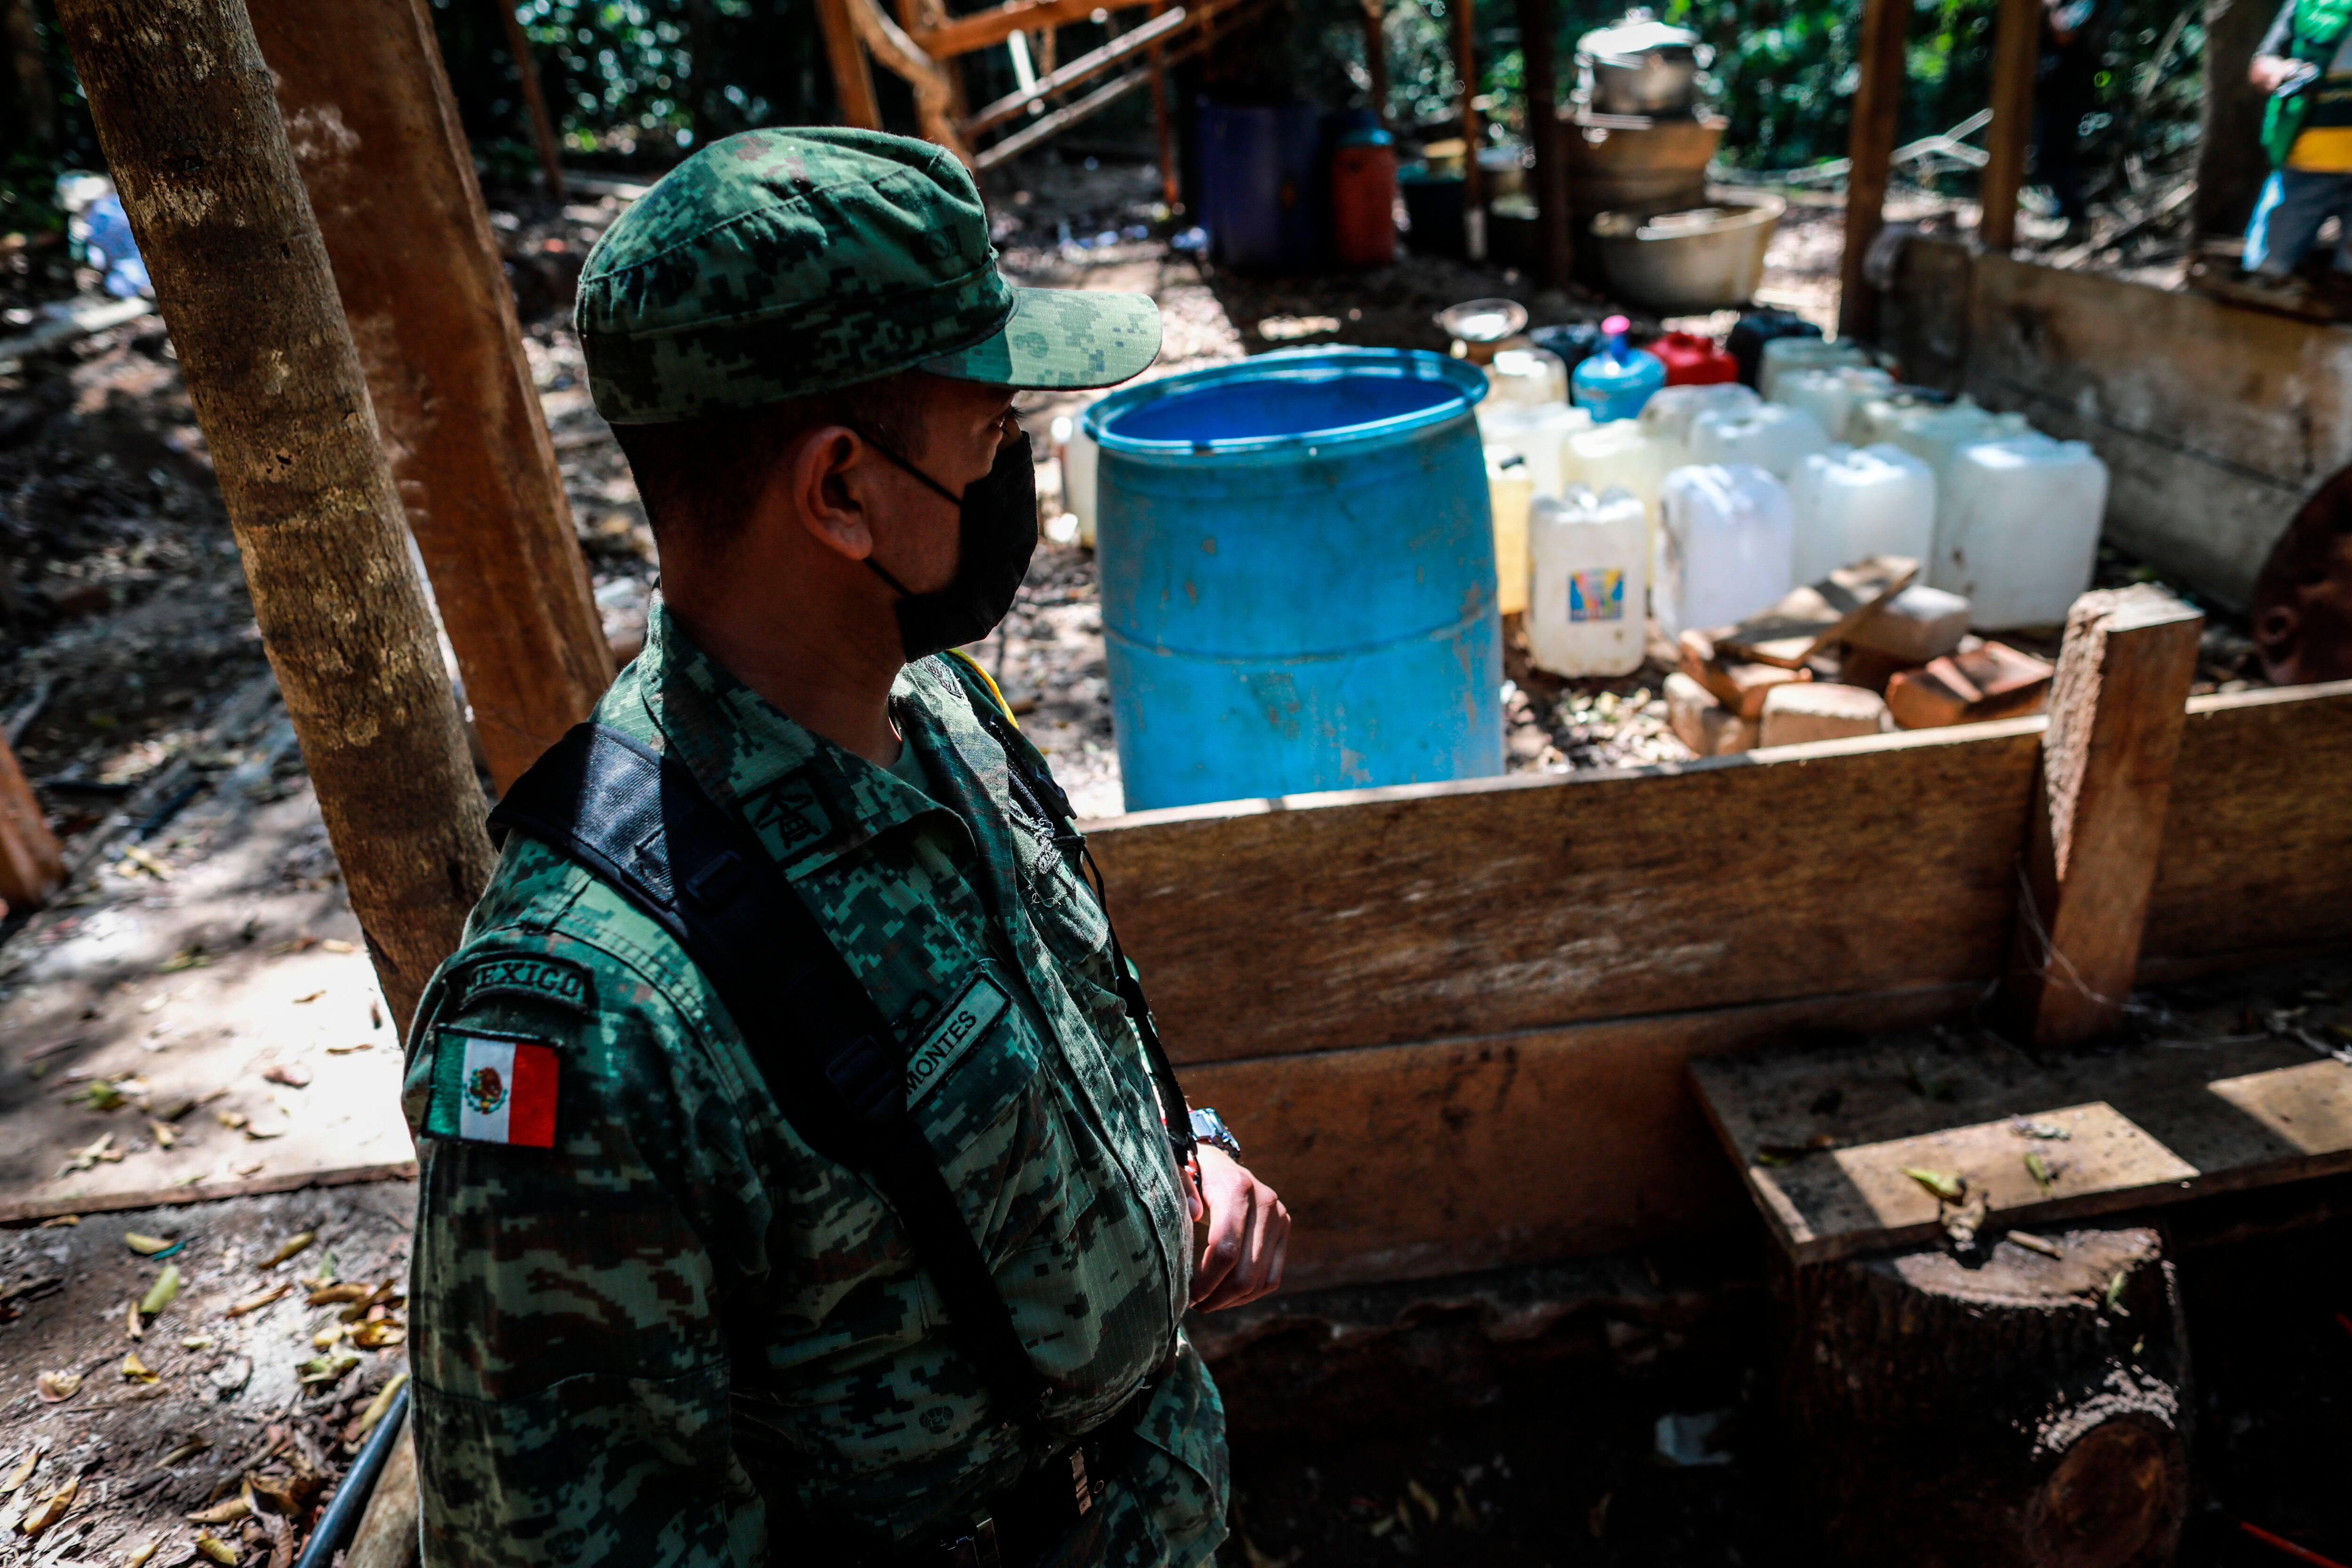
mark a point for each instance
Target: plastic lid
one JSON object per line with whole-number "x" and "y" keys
{"x": 1616, "y": 326}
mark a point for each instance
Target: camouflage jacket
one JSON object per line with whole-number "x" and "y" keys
{"x": 675, "y": 1327}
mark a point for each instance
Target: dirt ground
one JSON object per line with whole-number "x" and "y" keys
{"x": 206, "y": 908}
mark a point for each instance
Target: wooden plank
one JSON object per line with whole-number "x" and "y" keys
{"x": 1384, "y": 916}
{"x": 384, "y": 159}
{"x": 2259, "y": 848}
{"x": 852, "y": 74}
{"x": 982, "y": 28}
{"x": 1547, "y": 176}
{"x": 2101, "y": 794}
{"x": 1412, "y": 1162}
{"x": 32, "y": 866}
{"x": 1148, "y": 37}
{"x": 886, "y": 41}
{"x": 1870, "y": 150}
{"x": 2153, "y": 1125}
{"x": 2017, "y": 36}
{"x": 1474, "y": 179}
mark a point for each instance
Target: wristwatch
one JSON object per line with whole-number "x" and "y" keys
{"x": 1210, "y": 1128}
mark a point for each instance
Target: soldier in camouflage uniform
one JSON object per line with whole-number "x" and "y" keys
{"x": 653, "y": 1325}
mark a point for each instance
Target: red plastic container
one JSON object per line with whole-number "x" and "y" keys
{"x": 1692, "y": 360}
{"x": 1363, "y": 200}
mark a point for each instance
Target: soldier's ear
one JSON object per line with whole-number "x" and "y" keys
{"x": 832, "y": 477}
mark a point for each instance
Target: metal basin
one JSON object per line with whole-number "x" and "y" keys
{"x": 1701, "y": 259}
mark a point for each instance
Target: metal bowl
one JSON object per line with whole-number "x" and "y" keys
{"x": 1680, "y": 263}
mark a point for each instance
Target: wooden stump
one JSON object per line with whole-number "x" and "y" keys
{"x": 2028, "y": 1412}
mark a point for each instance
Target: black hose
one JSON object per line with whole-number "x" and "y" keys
{"x": 343, "y": 1515}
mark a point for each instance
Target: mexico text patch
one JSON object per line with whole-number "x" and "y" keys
{"x": 545, "y": 979}
{"x": 489, "y": 1088}
{"x": 978, "y": 1006}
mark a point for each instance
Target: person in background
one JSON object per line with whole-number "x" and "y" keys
{"x": 2304, "y": 63}
{"x": 2063, "y": 82}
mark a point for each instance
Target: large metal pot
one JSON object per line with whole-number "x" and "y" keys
{"x": 1640, "y": 66}
{"x": 1680, "y": 263}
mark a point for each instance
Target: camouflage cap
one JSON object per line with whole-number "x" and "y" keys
{"x": 778, "y": 263}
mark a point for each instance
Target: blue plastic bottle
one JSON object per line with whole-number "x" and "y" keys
{"x": 1614, "y": 383}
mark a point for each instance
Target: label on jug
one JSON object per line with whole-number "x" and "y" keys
{"x": 1596, "y": 595}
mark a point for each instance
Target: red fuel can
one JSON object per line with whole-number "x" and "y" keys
{"x": 1692, "y": 360}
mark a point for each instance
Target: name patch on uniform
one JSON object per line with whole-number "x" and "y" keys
{"x": 492, "y": 1089}
{"x": 978, "y": 1006}
{"x": 552, "y": 979}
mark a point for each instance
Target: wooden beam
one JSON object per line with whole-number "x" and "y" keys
{"x": 32, "y": 866}
{"x": 1474, "y": 180}
{"x": 1162, "y": 131}
{"x": 1869, "y": 149}
{"x": 1148, "y": 37}
{"x": 390, "y": 175}
{"x": 853, "y": 78}
{"x": 534, "y": 100}
{"x": 1103, "y": 97}
{"x": 982, "y": 28}
{"x": 2017, "y": 38}
{"x": 1538, "y": 54}
{"x": 1376, "y": 57}
{"x": 934, "y": 96}
{"x": 180, "y": 97}
{"x": 2101, "y": 794}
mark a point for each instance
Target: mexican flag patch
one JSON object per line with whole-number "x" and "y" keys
{"x": 491, "y": 1090}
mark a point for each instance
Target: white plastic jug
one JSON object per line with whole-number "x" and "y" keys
{"x": 1833, "y": 395}
{"x": 1621, "y": 452}
{"x": 1725, "y": 548}
{"x": 1527, "y": 377}
{"x": 1592, "y": 555}
{"x": 2023, "y": 534}
{"x": 1853, "y": 502}
{"x": 1771, "y": 436}
{"x": 1536, "y": 432}
{"x": 1782, "y": 355}
{"x": 1511, "y": 489}
{"x": 1078, "y": 455}
{"x": 1670, "y": 410}
{"x": 1935, "y": 436}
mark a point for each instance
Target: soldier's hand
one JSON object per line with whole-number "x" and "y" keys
{"x": 1249, "y": 1233}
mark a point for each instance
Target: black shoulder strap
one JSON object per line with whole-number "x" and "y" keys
{"x": 1042, "y": 794}
{"x": 641, "y": 822}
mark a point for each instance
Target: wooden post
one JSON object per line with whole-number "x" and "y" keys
{"x": 852, "y": 74}
{"x": 1466, "y": 66}
{"x": 32, "y": 866}
{"x": 2016, "y": 41}
{"x": 35, "y": 107}
{"x": 534, "y": 100}
{"x": 2106, "y": 779}
{"x": 184, "y": 114}
{"x": 2231, "y": 164}
{"x": 1376, "y": 57}
{"x": 1870, "y": 147}
{"x": 373, "y": 125}
{"x": 1555, "y": 249}
{"x": 1162, "y": 131}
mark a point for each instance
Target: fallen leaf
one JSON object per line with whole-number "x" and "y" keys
{"x": 187, "y": 1450}
{"x": 219, "y": 1551}
{"x": 347, "y": 1050}
{"x": 293, "y": 1248}
{"x": 346, "y": 1291}
{"x": 51, "y": 1510}
{"x": 140, "y": 859}
{"x": 379, "y": 1335}
{"x": 365, "y": 1423}
{"x": 198, "y": 1342}
{"x": 262, "y": 1132}
{"x": 1950, "y": 1189}
{"x": 376, "y": 1014}
{"x": 100, "y": 1096}
{"x": 84, "y": 1157}
{"x": 298, "y": 944}
{"x": 132, "y": 1326}
{"x": 326, "y": 1339}
{"x": 231, "y": 1119}
{"x": 313, "y": 996}
{"x": 328, "y": 1369}
{"x": 186, "y": 958}
{"x": 2038, "y": 1169}
{"x": 1421, "y": 1495}
{"x": 140, "y": 1554}
{"x": 149, "y": 1246}
{"x": 228, "y": 1510}
{"x": 165, "y": 1133}
{"x": 24, "y": 1472}
{"x": 251, "y": 1167}
{"x": 136, "y": 1371}
{"x": 163, "y": 1292}
{"x": 2115, "y": 1289}
{"x": 54, "y": 1221}
{"x": 1962, "y": 1220}
{"x": 335, "y": 945}
{"x": 57, "y": 1387}
{"x": 255, "y": 1303}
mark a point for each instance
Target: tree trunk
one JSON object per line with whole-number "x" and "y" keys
{"x": 2028, "y": 1411}
{"x": 31, "y": 865}
{"x": 369, "y": 112}
{"x": 183, "y": 106}
{"x": 2231, "y": 164}
{"x": 1555, "y": 249}
{"x": 534, "y": 100}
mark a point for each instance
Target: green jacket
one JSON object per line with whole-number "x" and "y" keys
{"x": 2314, "y": 30}
{"x": 666, "y": 1337}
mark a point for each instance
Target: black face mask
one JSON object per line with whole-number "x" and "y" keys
{"x": 997, "y": 537}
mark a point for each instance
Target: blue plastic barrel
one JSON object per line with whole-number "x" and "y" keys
{"x": 1297, "y": 561}
{"x": 1259, "y": 177}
